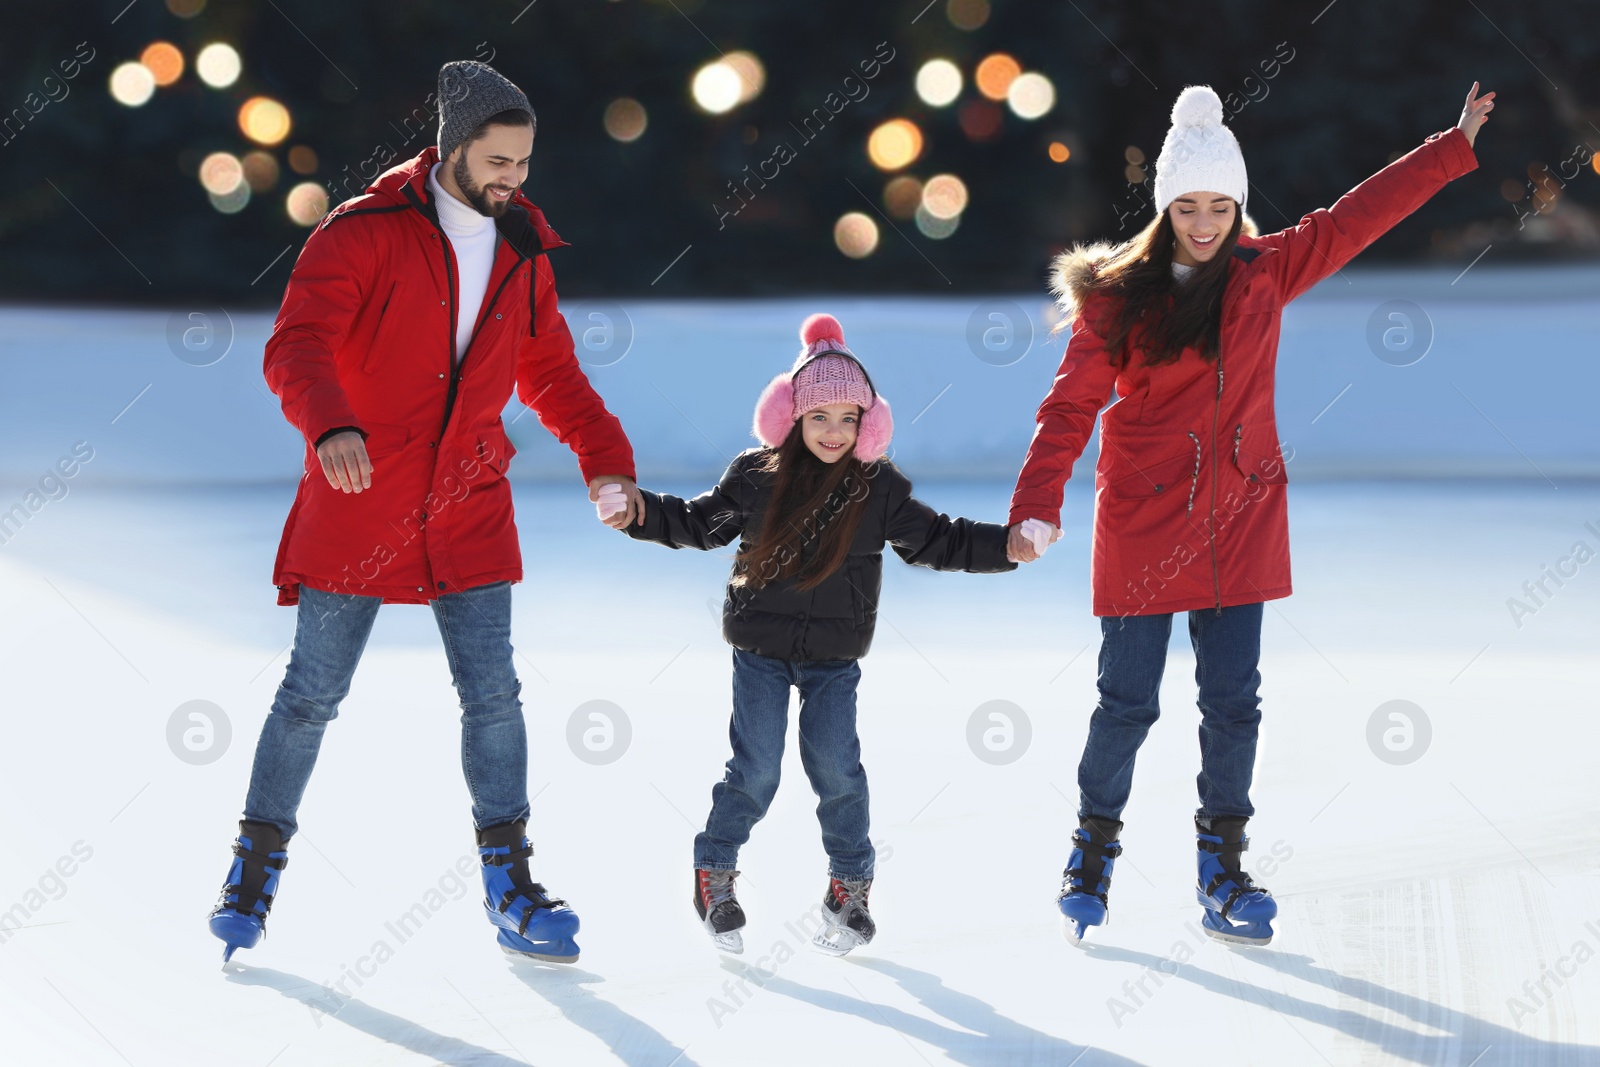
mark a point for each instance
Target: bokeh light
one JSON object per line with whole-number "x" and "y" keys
{"x": 894, "y": 144}
{"x": 716, "y": 88}
{"x": 218, "y": 65}
{"x": 901, "y": 196}
{"x": 260, "y": 170}
{"x": 752, "y": 75}
{"x": 938, "y": 82}
{"x": 221, "y": 173}
{"x": 132, "y": 84}
{"x": 856, "y": 235}
{"x": 1031, "y": 95}
{"x": 307, "y": 203}
{"x": 231, "y": 203}
{"x": 1133, "y": 154}
{"x": 995, "y": 75}
{"x": 935, "y": 227}
{"x": 303, "y": 159}
{"x": 186, "y": 9}
{"x": 164, "y": 62}
{"x": 967, "y": 14}
{"x": 1059, "y": 153}
{"x": 625, "y": 119}
{"x": 264, "y": 120}
{"x": 944, "y": 196}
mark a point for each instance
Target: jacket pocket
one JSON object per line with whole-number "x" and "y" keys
{"x": 494, "y": 451}
{"x": 385, "y": 439}
{"x": 383, "y": 336}
{"x": 1257, "y": 457}
{"x": 1155, "y": 479}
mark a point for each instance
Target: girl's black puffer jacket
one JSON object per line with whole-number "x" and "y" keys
{"x": 836, "y": 619}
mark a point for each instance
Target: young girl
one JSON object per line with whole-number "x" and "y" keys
{"x": 1190, "y": 512}
{"x": 812, "y": 510}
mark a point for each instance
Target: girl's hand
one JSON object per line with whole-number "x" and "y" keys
{"x": 617, "y": 501}
{"x": 1475, "y": 113}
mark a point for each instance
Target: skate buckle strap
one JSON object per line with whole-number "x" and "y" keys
{"x": 496, "y": 860}
{"x": 1222, "y": 848}
{"x": 543, "y": 900}
{"x": 277, "y": 863}
{"x": 1242, "y": 884}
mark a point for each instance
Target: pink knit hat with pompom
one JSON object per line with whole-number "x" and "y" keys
{"x": 826, "y": 372}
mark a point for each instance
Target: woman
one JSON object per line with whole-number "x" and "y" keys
{"x": 1182, "y": 321}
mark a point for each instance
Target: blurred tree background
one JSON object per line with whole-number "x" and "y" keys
{"x": 161, "y": 150}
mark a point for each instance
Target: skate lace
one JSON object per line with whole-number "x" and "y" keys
{"x": 716, "y": 887}
{"x": 852, "y": 892}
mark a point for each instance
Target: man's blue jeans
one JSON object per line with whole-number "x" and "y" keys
{"x": 830, "y": 752}
{"x": 331, "y": 632}
{"x": 1133, "y": 655}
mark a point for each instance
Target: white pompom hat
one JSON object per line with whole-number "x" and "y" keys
{"x": 1200, "y": 153}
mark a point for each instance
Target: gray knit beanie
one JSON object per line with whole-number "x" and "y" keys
{"x": 469, "y": 93}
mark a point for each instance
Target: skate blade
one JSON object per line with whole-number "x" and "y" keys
{"x": 1232, "y": 938}
{"x": 547, "y": 952}
{"x": 1073, "y": 930}
{"x": 837, "y": 940}
{"x": 731, "y": 941}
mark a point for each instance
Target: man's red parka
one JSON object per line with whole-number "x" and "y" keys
{"x": 1190, "y": 508}
{"x": 365, "y": 340}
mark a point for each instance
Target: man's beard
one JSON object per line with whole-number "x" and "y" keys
{"x": 477, "y": 195}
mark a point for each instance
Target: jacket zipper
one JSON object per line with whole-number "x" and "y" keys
{"x": 1216, "y": 418}
{"x": 1194, "y": 480}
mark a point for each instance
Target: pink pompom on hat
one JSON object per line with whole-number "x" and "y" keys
{"x": 826, "y": 372}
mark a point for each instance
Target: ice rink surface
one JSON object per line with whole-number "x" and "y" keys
{"x": 1438, "y": 875}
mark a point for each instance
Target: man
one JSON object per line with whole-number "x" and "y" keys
{"x": 410, "y": 314}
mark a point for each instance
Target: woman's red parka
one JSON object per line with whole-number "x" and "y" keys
{"x": 365, "y": 340}
{"x": 1190, "y": 508}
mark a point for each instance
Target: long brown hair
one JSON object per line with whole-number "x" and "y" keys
{"x": 1170, "y": 316}
{"x": 811, "y": 519}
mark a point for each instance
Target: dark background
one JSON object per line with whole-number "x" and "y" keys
{"x": 100, "y": 202}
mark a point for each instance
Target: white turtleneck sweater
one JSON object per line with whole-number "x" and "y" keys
{"x": 473, "y": 237}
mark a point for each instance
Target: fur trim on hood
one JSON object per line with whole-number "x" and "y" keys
{"x": 1072, "y": 271}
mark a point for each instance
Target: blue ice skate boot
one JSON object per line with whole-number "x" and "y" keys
{"x": 530, "y": 921}
{"x": 240, "y": 917}
{"x": 1237, "y": 910}
{"x": 1087, "y": 879}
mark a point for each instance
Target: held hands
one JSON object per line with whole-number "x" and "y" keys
{"x": 345, "y": 463}
{"x": 616, "y": 501}
{"x": 1475, "y": 113}
{"x": 1028, "y": 540}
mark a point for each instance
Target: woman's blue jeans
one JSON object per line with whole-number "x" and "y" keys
{"x": 331, "y": 632}
{"x": 830, "y": 752}
{"x": 1133, "y": 656}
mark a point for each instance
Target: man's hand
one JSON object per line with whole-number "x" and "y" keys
{"x": 618, "y": 519}
{"x": 345, "y": 463}
{"x": 1029, "y": 539}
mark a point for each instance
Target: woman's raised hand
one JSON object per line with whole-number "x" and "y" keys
{"x": 1475, "y": 113}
